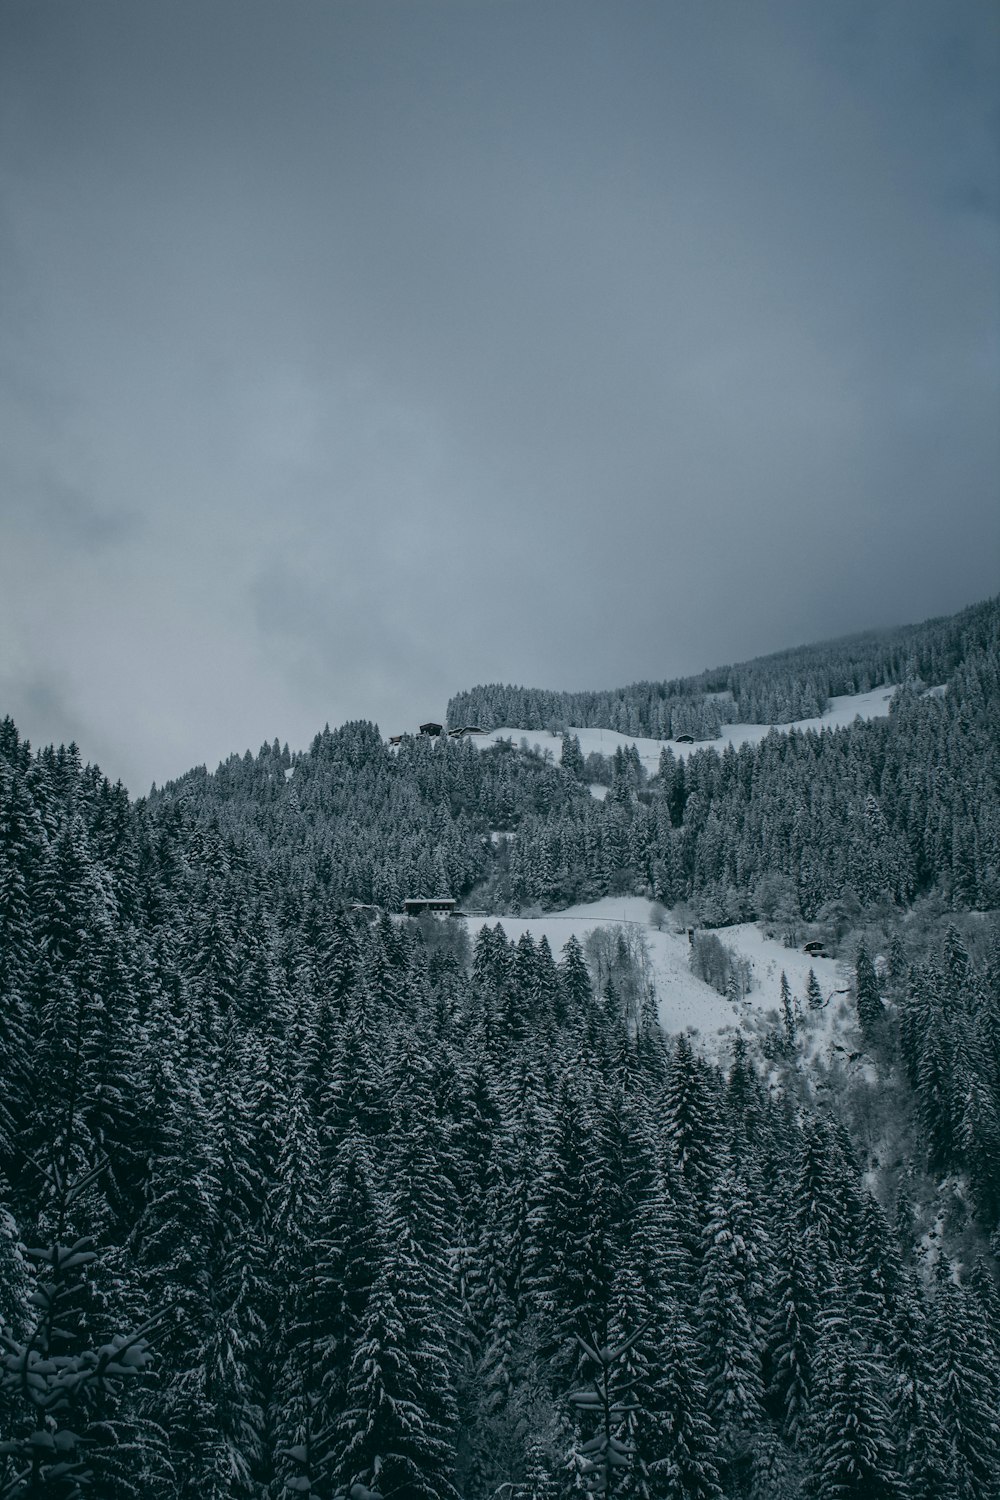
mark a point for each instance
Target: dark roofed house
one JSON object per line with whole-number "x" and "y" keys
{"x": 415, "y": 906}
{"x": 815, "y": 950}
{"x": 683, "y": 739}
{"x": 457, "y": 734}
{"x": 395, "y": 739}
{"x": 431, "y": 728}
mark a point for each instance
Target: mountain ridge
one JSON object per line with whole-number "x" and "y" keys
{"x": 330, "y": 1195}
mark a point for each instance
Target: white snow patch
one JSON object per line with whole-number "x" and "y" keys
{"x": 685, "y": 1002}
{"x": 597, "y": 790}
{"x": 682, "y": 1000}
{"x": 769, "y": 958}
{"x": 841, "y": 712}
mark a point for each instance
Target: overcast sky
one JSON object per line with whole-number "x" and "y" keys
{"x": 352, "y": 354}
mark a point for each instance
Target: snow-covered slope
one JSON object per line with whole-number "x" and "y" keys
{"x": 684, "y": 1001}
{"x": 842, "y": 711}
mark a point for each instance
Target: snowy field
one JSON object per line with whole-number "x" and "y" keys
{"x": 684, "y": 1002}
{"x": 842, "y": 711}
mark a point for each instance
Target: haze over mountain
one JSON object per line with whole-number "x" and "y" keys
{"x": 350, "y": 353}
{"x": 603, "y": 1097}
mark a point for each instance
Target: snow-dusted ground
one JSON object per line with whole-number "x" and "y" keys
{"x": 683, "y": 1001}
{"x": 769, "y": 957}
{"x": 842, "y": 711}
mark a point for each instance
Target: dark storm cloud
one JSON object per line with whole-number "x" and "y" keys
{"x": 66, "y": 515}
{"x": 352, "y": 354}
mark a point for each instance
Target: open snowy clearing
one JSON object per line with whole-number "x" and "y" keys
{"x": 842, "y": 711}
{"x": 685, "y": 1002}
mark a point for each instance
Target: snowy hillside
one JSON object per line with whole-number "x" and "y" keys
{"x": 683, "y": 1001}
{"x": 841, "y": 712}
{"x": 787, "y": 1198}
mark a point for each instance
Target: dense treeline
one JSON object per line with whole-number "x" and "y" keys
{"x": 883, "y": 811}
{"x": 778, "y": 689}
{"x": 370, "y": 823}
{"x": 362, "y": 1187}
{"x": 292, "y": 1201}
{"x": 942, "y": 1032}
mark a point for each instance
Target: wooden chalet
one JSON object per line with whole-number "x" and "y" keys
{"x": 415, "y": 906}
{"x": 683, "y": 739}
{"x": 431, "y": 728}
{"x": 456, "y": 734}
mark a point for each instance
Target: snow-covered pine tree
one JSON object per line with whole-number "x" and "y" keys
{"x": 396, "y": 1431}
{"x": 729, "y": 1311}
{"x": 814, "y": 992}
{"x": 855, "y": 1456}
{"x": 790, "y": 1341}
{"x": 967, "y": 1402}
{"x": 867, "y": 997}
{"x": 685, "y": 1466}
{"x": 691, "y": 1121}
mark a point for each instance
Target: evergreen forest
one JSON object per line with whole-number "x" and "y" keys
{"x": 299, "y": 1196}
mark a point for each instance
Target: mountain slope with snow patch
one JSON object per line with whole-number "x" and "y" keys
{"x": 685, "y": 1002}
{"x": 841, "y": 712}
